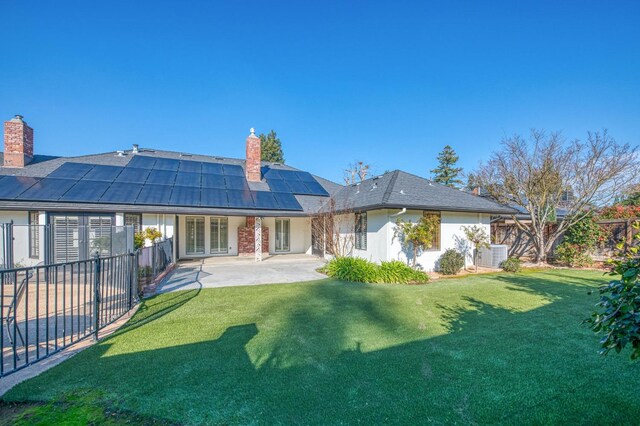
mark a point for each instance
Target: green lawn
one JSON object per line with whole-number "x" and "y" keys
{"x": 482, "y": 349}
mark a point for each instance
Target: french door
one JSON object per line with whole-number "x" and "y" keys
{"x": 195, "y": 234}
{"x": 282, "y": 235}
{"x": 219, "y": 235}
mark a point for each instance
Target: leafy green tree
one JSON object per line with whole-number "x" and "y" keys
{"x": 418, "y": 236}
{"x": 478, "y": 236}
{"x": 271, "y": 148}
{"x": 447, "y": 173}
{"x": 617, "y": 316}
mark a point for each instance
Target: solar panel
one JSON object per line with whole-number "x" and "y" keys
{"x": 71, "y": 171}
{"x": 190, "y": 166}
{"x": 121, "y": 192}
{"x": 211, "y": 197}
{"x": 269, "y": 173}
{"x": 88, "y": 191}
{"x": 316, "y": 189}
{"x": 213, "y": 181}
{"x": 278, "y": 185}
{"x": 47, "y": 189}
{"x": 103, "y": 173}
{"x": 287, "y": 201}
{"x": 297, "y": 187}
{"x": 188, "y": 179}
{"x": 232, "y": 170}
{"x": 289, "y": 175}
{"x": 212, "y": 168}
{"x": 305, "y": 177}
{"x": 185, "y": 196}
{"x": 240, "y": 199}
{"x": 133, "y": 175}
{"x": 154, "y": 194}
{"x": 264, "y": 200}
{"x": 12, "y": 186}
{"x": 166, "y": 164}
{"x": 236, "y": 182}
{"x": 161, "y": 177}
{"x": 142, "y": 162}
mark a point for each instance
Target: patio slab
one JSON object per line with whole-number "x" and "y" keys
{"x": 237, "y": 271}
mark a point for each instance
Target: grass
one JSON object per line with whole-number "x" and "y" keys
{"x": 504, "y": 348}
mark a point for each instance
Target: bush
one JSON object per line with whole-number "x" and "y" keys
{"x": 512, "y": 264}
{"x": 573, "y": 255}
{"x": 451, "y": 262}
{"x": 396, "y": 272}
{"x": 352, "y": 269}
{"x": 360, "y": 270}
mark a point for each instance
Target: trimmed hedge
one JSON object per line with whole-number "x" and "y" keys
{"x": 360, "y": 270}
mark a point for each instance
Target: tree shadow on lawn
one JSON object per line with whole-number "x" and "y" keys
{"x": 495, "y": 365}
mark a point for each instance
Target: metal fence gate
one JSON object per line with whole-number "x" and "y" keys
{"x": 47, "y": 308}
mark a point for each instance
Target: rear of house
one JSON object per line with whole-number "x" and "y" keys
{"x": 60, "y": 209}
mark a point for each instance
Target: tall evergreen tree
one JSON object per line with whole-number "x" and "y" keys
{"x": 271, "y": 148}
{"x": 447, "y": 173}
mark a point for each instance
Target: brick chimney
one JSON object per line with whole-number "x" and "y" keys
{"x": 252, "y": 164}
{"x": 18, "y": 143}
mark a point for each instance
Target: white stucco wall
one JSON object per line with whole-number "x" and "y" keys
{"x": 451, "y": 236}
{"x": 233, "y": 222}
{"x": 21, "y": 237}
{"x": 383, "y": 245}
{"x": 300, "y": 234}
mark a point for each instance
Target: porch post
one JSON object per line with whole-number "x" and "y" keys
{"x": 258, "y": 238}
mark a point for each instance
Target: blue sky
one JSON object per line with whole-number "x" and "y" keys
{"x": 389, "y": 83}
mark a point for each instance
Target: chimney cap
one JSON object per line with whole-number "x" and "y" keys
{"x": 17, "y": 117}
{"x": 252, "y": 131}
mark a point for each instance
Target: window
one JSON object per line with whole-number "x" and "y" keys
{"x": 34, "y": 235}
{"x": 134, "y": 220}
{"x": 282, "y": 234}
{"x": 219, "y": 235}
{"x": 436, "y": 238}
{"x": 195, "y": 234}
{"x": 361, "y": 231}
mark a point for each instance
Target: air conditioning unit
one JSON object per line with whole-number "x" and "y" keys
{"x": 493, "y": 256}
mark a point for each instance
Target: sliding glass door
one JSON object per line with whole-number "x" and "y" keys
{"x": 195, "y": 234}
{"x": 219, "y": 235}
{"x": 282, "y": 235}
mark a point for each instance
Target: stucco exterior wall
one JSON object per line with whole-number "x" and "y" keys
{"x": 300, "y": 234}
{"x": 21, "y": 237}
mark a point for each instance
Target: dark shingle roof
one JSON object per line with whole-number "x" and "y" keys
{"x": 398, "y": 189}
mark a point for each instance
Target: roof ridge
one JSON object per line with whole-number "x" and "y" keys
{"x": 390, "y": 186}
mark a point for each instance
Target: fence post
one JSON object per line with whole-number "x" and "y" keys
{"x": 132, "y": 280}
{"x": 96, "y": 295}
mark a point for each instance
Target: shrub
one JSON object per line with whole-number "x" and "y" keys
{"x": 396, "y": 272}
{"x": 451, "y": 262}
{"x": 360, "y": 270}
{"x": 352, "y": 269}
{"x": 512, "y": 264}
{"x": 573, "y": 255}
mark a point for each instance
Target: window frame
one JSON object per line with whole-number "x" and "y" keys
{"x": 137, "y": 227}
{"x": 288, "y": 235}
{"x": 196, "y": 220}
{"x": 437, "y": 238}
{"x": 219, "y": 220}
{"x": 34, "y": 235}
{"x": 360, "y": 231}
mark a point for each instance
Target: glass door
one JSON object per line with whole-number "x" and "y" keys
{"x": 195, "y": 234}
{"x": 219, "y": 235}
{"x": 282, "y": 235}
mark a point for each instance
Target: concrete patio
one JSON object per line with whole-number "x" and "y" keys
{"x": 238, "y": 271}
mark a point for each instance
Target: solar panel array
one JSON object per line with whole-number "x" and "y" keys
{"x": 293, "y": 181}
{"x": 163, "y": 181}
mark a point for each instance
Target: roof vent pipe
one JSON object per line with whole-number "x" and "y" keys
{"x": 120, "y": 153}
{"x": 135, "y": 149}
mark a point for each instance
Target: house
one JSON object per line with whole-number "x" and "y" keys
{"x": 65, "y": 208}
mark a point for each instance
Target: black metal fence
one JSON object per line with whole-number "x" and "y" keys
{"x": 47, "y": 308}
{"x": 154, "y": 260}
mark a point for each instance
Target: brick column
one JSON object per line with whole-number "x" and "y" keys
{"x": 246, "y": 238}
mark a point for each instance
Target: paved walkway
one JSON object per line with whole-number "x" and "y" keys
{"x": 235, "y": 271}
